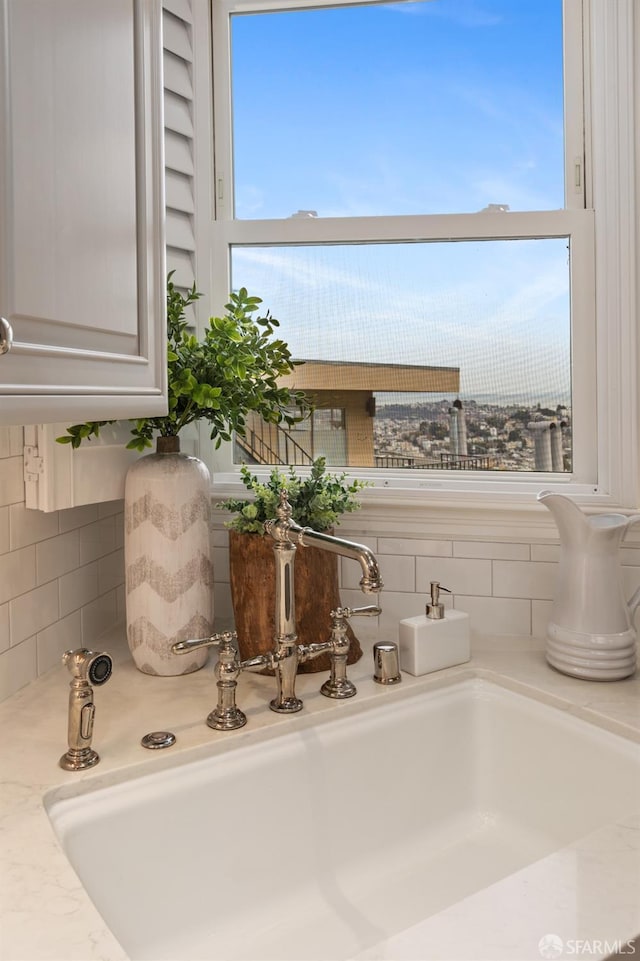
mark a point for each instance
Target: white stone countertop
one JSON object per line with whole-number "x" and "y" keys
{"x": 45, "y": 914}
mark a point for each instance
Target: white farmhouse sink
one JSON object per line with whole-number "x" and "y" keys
{"x": 327, "y": 841}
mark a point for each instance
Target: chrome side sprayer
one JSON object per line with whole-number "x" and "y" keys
{"x": 86, "y": 668}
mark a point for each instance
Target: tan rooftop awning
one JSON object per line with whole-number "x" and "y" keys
{"x": 344, "y": 375}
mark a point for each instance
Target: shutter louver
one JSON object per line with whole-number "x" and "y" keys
{"x": 179, "y": 140}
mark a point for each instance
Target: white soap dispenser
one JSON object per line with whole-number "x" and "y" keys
{"x": 434, "y": 640}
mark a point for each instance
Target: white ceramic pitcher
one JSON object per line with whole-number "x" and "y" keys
{"x": 591, "y": 633}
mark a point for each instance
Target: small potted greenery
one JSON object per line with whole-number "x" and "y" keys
{"x": 318, "y": 500}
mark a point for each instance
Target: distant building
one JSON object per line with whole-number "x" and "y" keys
{"x": 341, "y": 428}
{"x": 548, "y": 443}
{"x": 458, "y": 430}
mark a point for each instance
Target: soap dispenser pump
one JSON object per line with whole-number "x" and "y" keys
{"x": 435, "y": 610}
{"x": 434, "y": 640}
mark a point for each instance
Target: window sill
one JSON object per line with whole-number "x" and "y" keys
{"x": 513, "y": 516}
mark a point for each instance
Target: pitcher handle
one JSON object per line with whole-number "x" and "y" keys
{"x": 634, "y": 601}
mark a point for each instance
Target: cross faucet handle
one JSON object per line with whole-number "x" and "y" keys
{"x": 338, "y": 684}
{"x": 226, "y": 716}
{"x": 223, "y": 641}
{"x": 371, "y": 610}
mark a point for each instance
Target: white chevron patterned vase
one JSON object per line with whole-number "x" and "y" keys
{"x": 169, "y": 576}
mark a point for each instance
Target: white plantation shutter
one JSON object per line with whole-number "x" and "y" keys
{"x": 179, "y": 140}
{"x": 58, "y": 477}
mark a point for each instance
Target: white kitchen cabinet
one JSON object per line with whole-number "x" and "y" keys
{"x": 82, "y": 249}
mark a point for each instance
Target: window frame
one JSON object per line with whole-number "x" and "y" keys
{"x": 600, "y": 188}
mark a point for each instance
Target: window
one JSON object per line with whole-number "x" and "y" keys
{"x": 410, "y": 328}
{"x": 403, "y": 183}
{"x": 421, "y": 107}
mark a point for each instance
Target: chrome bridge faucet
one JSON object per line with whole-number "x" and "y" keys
{"x": 287, "y": 653}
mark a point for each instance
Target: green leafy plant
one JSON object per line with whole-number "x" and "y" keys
{"x": 317, "y": 501}
{"x": 232, "y": 371}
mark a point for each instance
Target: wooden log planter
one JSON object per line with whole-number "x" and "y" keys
{"x": 253, "y": 587}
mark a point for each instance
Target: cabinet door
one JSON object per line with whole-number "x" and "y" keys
{"x": 82, "y": 262}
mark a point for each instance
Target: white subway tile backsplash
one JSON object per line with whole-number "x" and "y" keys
{"x": 109, "y": 508}
{"x": 360, "y": 537}
{"x": 398, "y": 573}
{"x": 357, "y": 598}
{"x": 78, "y": 588}
{"x": 504, "y": 552}
{"x": 29, "y": 526}
{"x": 11, "y": 442}
{"x": 33, "y": 611}
{"x": 535, "y": 580}
{"x": 11, "y": 481}
{"x": 53, "y": 641}
{"x": 5, "y": 640}
{"x": 97, "y": 617}
{"x": 631, "y": 580}
{"x": 220, "y": 537}
{"x": 110, "y": 571}
{"x": 17, "y": 573}
{"x": 77, "y": 517}
{"x": 630, "y": 556}
{"x": 57, "y": 556}
{"x": 4, "y": 529}
{"x": 540, "y": 617}
{"x": 397, "y": 606}
{"x": 220, "y": 559}
{"x": 545, "y": 552}
{"x": 496, "y": 615}
{"x": 18, "y": 666}
{"x": 460, "y": 575}
{"x": 416, "y": 547}
{"x": 365, "y": 628}
{"x": 62, "y": 578}
{"x": 121, "y": 600}
{"x": 46, "y": 587}
{"x": 97, "y": 539}
{"x": 16, "y": 441}
{"x": 119, "y": 525}
{"x": 5, "y": 442}
{"x": 222, "y": 607}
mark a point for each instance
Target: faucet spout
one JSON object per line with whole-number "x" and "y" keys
{"x": 288, "y": 653}
{"x": 371, "y": 581}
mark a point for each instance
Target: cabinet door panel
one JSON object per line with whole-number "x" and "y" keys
{"x": 82, "y": 275}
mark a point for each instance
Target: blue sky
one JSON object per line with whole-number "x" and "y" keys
{"x": 440, "y": 106}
